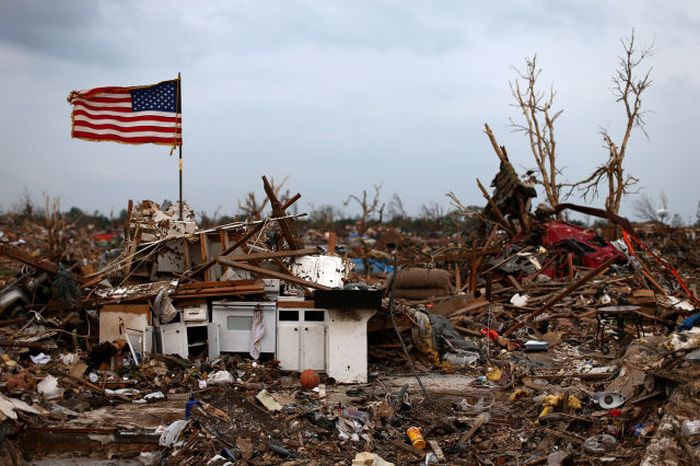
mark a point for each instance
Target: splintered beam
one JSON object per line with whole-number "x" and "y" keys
{"x": 269, "y": 273}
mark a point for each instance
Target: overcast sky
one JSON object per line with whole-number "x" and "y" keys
{"x": 339, "y": 95}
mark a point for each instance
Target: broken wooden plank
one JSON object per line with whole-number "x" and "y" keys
{"x": 476, "y": 304}
{"x": 296, "y": 304}
{"x": 209, "y": 264}
{"x": 223, "y": 239}
{"x": 219, "y": 284}
{"x": 204, "y": 253}
{"x": 223, "y": 289}
{"x": 499, "y": 215}
{"x": 20, "y": 255}
{"x": 568, "y": 436}
{"x": 269, "y": 273}
{"x": 563, "y": 294}
{"x": 218, "y": 294}
{"x": 16, "y": 320}
{"x": 291, "y": 201}
{"x": 256, "y": 256}
{"x": 408, "y": 448}
{"x": 23, "y": 344}
{"x": 332, "y": 239}
{"x": 515, "y": 283}
{"x": 240, "y": 242}
{"x": 286, "y": 225}
{"x": 480, "y": 420}
{"x": 131, "y": 251}
{"x": 437, "y": 450}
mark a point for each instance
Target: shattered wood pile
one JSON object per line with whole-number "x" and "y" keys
{"x": 531, "y": 341}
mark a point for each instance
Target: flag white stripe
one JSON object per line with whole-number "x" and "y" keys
{"x": 136, "y": 134}
{"x": 126, "y": 114}
{"x": 127, "y": 124}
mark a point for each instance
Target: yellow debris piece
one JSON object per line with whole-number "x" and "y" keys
{"x": 574, "y": 403}
{"x": 494, "y": 375}
{"x": 518, "y": 393}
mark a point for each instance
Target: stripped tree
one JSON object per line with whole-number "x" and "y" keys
{"x": 371, "y": 215}
{"x": 629, "y": 83}
{"x": 372, "y": 211}
{"x": 649, "y": 210}
{"x": 252, "y": 209}
{"x": 539, "y": 117}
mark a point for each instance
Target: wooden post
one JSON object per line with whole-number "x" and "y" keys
{"x": 331, "y": 242}
{"x": 289, "y": 233}
{"x": 204, "y": 253}
{"x": 570, "y": 260}
{"x": 223, "y": 239}
{"x": 127, "y": 220}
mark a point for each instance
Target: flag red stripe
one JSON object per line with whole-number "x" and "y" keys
{"x": 113, "y": 137}
{"x": 127, "y": 118}
{"x": 131, "y": 129}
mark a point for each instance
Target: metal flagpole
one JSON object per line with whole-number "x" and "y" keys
{"x": 178, "y": 106}
{"x": 180, "y": 151}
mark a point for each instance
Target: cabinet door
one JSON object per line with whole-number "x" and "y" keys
{"x": 213, "y": 337}
{"x": 313, "y": 346}
{"x": 288, "y": 340}
{"x": 174, "y": 339}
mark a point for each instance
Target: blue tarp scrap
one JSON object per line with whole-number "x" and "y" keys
{"x": 376, "y": 267}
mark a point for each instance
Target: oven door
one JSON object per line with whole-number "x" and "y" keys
{"x": 235, "y": 321}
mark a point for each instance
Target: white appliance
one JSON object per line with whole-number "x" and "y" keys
{"x": 235, "y": 322}
{"x": 301, "y": 339}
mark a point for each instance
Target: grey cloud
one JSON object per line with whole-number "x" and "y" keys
{"x": 339, "y": 95}
{"x": 72, "y": 30}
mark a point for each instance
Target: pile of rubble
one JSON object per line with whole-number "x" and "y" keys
{"x": 529, "y": 340}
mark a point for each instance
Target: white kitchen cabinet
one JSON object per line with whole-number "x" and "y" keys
{"x": 313, "y": 346}
{"x": 288, "y": 345}
{"x": 347, "y": 345}
{"x": 301, "y": 339}
{"x": 173, "y": 339}
{"x": 180, "y": 338}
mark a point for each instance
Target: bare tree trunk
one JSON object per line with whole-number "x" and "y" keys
{"x": 628, "y": 87}
{"x": 536, "y": 108}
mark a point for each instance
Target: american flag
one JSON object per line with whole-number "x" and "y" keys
{"x": 132, "y": 115}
